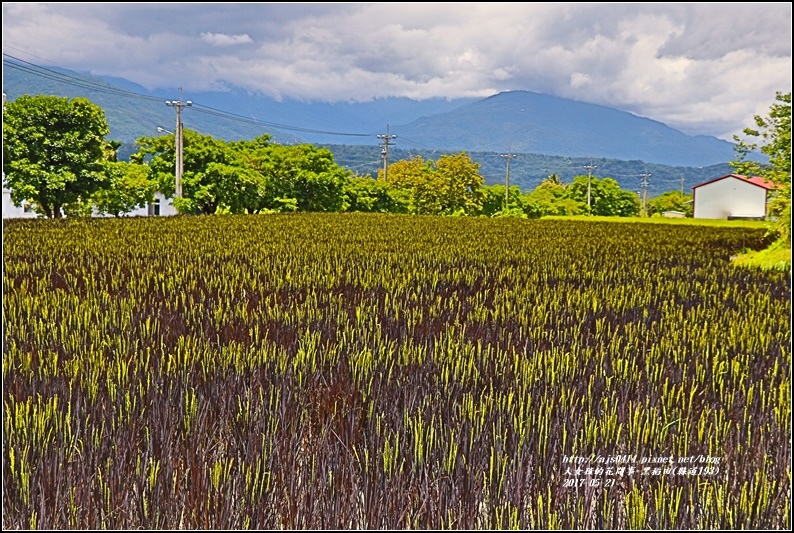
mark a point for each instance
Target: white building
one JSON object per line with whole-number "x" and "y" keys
{"x": 12, "y": 211}
{"x": 732, "y": 196}
{"x": 161, "y": 206}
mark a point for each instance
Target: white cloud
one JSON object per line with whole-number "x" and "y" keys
{"x": 702, "y": 68}
{"x": 221, "y": 39}
{"x": 579, "y": 80}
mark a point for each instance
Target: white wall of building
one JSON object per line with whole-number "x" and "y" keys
{"x": 167, "y": 208}
{"x": 730, "y": 197}
{"x": 162, "y": 206}
{"x": 12, "y": 211}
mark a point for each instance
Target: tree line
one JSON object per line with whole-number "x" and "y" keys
{"x": 56, "y": 156}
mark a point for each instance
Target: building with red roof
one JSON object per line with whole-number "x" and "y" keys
{"x": 732, "y": 196}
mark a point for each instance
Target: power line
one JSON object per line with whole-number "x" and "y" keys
{"x": 240, "y": 118}
{"x": 426, "y": 147}
{"x": 66, "y": 79}
{"x": 36, "y": 70}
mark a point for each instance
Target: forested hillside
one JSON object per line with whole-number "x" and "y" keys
{"x": 528, "y": 170}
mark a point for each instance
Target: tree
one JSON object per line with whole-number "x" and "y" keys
{"x": 552, "y": 199}
{"x": 368, "y": 195}
{"x": 607, "y": 199}
{"x": 493, "y": 201}
{"x": 671, "y": 201}
{"x": 449, "y": 186}
{"x": 554, "y": 179}
{"x": 304, "y": 173}
{"x": 129, "y": 187}
{"x": 419, "y": 182}
{"x": 460, "y": 184}
{"x": 216, "y": 176}
{"x": 246, "y": 176}
{"x": 774, "y": 134}
{"x": 53, "y": 151}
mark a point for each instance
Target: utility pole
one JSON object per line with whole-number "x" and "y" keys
{"x": 645, "y": 193}
{"x": 590, "y": 169}
{"x": 507, "y": 156}
{"x": 178, "y": 104}
{"x": 682, "y": 185}
{"x": 385, "y": 149}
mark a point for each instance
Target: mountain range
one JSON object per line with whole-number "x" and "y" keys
{"x": 520, "y": 122}
{"x": 529, "y": 122}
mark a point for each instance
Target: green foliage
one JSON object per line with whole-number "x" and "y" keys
{"x": 554, "y": 178}
{"x": 282, "y": 205}
{"x": 460, "y": 184}
{"x": 552, "y": 199}
{"x": 214, "y": 174}
{"x": 529, "y": 170}
{"x": 774, "y": 135}
{"x": 607, "y": 199}
{"x": 417, "y": 179}
{"x": 81, "y": 208}
{"x": 246, "y": 176}
{"x": 670, "y": 201}
{"x": 367, "y": 195}
{"x": 129, "y": 188}
{"x": 303, "y": 172}
{"x": 449, "y": 186}
{"x": 53, "y": 151}
{"x": 493, "y": 202}
{"x": 513, "y": 212}
{"x": 493, "y": 199}
{"x": 775, "y": 257}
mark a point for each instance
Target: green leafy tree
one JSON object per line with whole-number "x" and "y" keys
{"x": 216, "y": 177}
{"x": 246, "y": 176}
{"x": 773, "y": 132}
{"x": 53, "y": 151}
{"x": 554, "y": 178}
{"x": 607, "y": 199}
{"x": 671, "y": 201}
{"x": 368, "y": 195}
{"x": 130, "y": 188}
{"x": 303, "y": 173}
{"x": 80, "y": 208}
{"x": 448, "y": 186}
{"x": 460, "y": 184}
{"x": 552, "y": 199}
{"x": 418, "y": 181}
{"x": 493, "y": 201}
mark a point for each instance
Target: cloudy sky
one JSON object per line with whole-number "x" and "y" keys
{"x": 700, "y": 68}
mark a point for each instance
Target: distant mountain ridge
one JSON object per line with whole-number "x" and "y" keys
{"x": 529, "y": 122}
{"x": 518, "y": 121}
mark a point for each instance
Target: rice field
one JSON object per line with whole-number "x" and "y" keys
{"x": 340, "y": 371}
